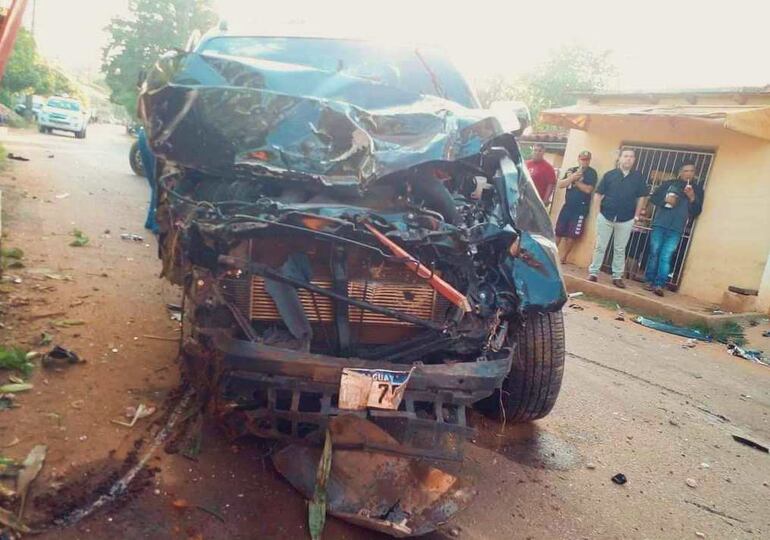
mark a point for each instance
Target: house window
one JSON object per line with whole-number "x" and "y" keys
{"x": 658, "y": 164}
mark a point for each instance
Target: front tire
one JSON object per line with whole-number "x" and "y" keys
{"x": 530, "y": 390}
{"x": 135, "y": 159}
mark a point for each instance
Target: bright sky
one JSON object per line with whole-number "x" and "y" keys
{"x": 655, "y": 44}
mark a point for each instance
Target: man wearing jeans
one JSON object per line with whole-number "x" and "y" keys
{"x": 676, "y": 202}
{"x": 622, "y": 195}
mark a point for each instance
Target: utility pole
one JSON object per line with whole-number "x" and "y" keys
{"x": 34, "y": 12}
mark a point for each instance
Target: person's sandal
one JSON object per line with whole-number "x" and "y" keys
{"x": 619, "y": 283}
{"x": 592, "y": 278}
{"x": 648, "y": 287}
{"x": 658, "y": 291}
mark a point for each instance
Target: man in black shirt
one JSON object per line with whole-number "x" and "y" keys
{"x": 622, "y": 194}
{"x": 676, "y": 202}
{"x": 579, "y": 182}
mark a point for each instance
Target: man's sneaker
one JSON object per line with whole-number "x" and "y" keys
{"x": 648, "y": 287}
{"x": 592, "y": 278}
{"x": 619, "y": 283}
{"x": 658, "y": 291}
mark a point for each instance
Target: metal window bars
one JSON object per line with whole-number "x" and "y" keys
{"x": 658, "y": 164}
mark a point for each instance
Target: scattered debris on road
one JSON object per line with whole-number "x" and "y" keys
{"x": 619, "y": 479}
{"x": 175, "y": 312}
{"x": 80, "y": 238}
{"x": 15, "y": 157}
{"x": 32, "y": 465}
{"x": 690, "y": 343}
{"x": 672, "y": 329}
{"x": 59, "y": 357}
{"x": 419, "y": 497}
{"x": 752, "y": 355}
{"x": 67, "y": 323}
{"x": 752, "y": 443}
{"x": 620, "y": 315}
{"x": 15, "y": 388}
{"x": 132, "y": 237}
{"x": 691, "y": 482}
{"x": 135, "y": 414}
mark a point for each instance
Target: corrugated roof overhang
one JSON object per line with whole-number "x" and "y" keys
{"x": 753, "y": 120}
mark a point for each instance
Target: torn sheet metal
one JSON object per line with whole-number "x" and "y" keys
{"x": 223, "y": 114}
{"x": 391, "y": 494}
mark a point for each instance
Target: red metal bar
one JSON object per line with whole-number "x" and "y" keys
{"x": 441, "y": 286}
{"x": 9, "y": 27}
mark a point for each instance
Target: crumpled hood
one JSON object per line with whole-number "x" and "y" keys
{"x": 221, "y": 113}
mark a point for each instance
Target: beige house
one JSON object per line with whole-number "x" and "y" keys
{"x": 727, "y": 133}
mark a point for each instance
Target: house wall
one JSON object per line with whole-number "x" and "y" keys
{"x": 731, "y": 240}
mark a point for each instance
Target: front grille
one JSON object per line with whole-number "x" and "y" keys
{"x": 414, "y": 299}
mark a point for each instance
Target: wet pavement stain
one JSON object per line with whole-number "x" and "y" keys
{"x": 529, "y": 445}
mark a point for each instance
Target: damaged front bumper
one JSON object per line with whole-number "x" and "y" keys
{"x": 299, "y": 392}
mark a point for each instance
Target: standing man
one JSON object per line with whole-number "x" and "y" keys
{"x": 579, "y": 182}
{"x": 676, "y": 202}
{"x": 542, "y": 173}
{"x": 622, "y": 195}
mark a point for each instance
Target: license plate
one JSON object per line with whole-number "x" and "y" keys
{"x": 372, "y": 388}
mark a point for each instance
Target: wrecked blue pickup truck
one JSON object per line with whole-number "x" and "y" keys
{"x": 354, "y": 235}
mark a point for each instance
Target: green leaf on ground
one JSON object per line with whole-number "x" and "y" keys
{"x": 11, "y": 257}
{"x": 316, "y": 517}
{"x": 15, "y": 358}
{"x": 12, "y": 253}
{"x": 80, "y": 238}
{"x": 15, "y": 387}
{"x": 66, "y": 323}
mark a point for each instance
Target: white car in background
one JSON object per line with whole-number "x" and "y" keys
{"x": 65, "y": 114}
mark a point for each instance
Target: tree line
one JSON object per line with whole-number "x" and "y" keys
{"x": 153, "y": 27}
{"x": 28, "y": 73}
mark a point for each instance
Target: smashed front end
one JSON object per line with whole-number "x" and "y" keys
{"x": 345, "y": 247}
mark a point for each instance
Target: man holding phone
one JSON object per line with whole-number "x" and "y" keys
{"x": 676, "y": 202}
{"x": 579, "y": 182}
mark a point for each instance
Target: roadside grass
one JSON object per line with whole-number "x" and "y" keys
{"x": 723, "y": 332}
{"x": 3, "y": 158}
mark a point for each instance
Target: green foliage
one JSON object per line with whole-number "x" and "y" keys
{"x": 80, "y": 238}
{"x": 11, "y": 258}
{"x": 26, "y": 72}
{"x": 568, "y": 69}
{"x": 136, "y": 41}
{"x": 723, "y": 332}
{"x": 15, "y": 358}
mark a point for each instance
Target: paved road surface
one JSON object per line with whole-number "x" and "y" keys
{"x": 634, "y": 401}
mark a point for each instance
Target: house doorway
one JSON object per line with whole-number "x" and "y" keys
{"x": 658, "y": 164}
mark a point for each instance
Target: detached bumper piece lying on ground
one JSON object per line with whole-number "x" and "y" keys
{"x": 350, "y": 248}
